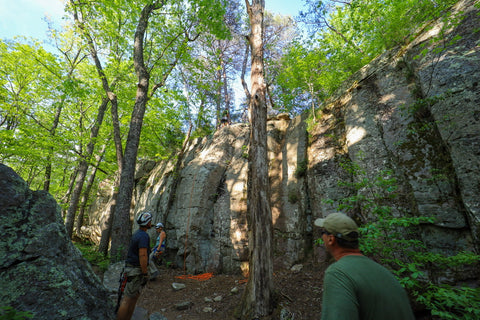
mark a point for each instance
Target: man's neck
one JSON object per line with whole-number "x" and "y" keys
{"x": 346, "y": 252}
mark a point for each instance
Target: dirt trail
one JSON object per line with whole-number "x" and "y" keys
{"x": 298, "y": 292}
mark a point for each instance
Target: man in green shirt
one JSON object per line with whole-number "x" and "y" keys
{"x": 356, "y": 287}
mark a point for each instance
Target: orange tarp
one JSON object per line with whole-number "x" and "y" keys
{"x": 199, "y": 277}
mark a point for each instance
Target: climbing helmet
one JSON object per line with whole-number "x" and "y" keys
{"x": 144, "y": 218}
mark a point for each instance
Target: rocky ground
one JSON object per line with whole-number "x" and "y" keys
{"x": 298, "y": 295}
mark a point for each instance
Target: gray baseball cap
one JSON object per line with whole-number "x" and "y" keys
{"x": 340, "y": 225}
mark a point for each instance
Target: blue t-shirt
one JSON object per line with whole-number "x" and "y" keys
{"x": 140, "y": 239}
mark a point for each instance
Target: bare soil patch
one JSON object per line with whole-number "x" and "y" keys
{"x": 298, "y": 293}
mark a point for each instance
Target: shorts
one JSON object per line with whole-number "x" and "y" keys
{"x": 157, "y": 260}
{"x": 160, "y": 252}
{"x": 135, "y": 282}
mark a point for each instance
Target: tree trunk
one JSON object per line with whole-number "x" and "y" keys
{"x": 121, "y": 228}
{"x": 218, "y": 112}
{"x": 48, "y": 171}
{"x": 257, "y": 300}
{"x": 66, "y": 197}
{"x": 82, "y": 169}
{"x": 312, "y": 95}
{"x": 86, "y": 194}
{"x": 244, "y": 83}
{"x": 107, "y": 226}
{"x": 226, "y": 95}
{"x": 53, "y": 129}
{"x": 270, "y": 99}
{"x": 77, "y": 190}
{"x": 116, "y": 132}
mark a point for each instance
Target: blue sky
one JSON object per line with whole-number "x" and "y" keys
{"x": 285, "y": 7}
{"x": 26, "y": 17}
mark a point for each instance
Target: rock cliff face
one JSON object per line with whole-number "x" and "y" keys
{"x": 413, "y": 114}
{"x": 40, "y": 269}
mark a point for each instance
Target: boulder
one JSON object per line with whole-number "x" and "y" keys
{"x": 41, "y": 271}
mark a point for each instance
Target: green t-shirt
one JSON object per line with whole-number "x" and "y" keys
{"x": 356, "y": 287}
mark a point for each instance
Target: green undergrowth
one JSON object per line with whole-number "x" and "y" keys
{"x": 9, "y": 313}
{"x": 90, "y": 252}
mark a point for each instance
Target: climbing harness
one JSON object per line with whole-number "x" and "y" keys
{"x": 121, "y": 288}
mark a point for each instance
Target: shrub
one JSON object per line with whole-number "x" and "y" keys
{"x": 90, "y": 252}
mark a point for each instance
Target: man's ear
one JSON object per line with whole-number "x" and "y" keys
{"x": 331, "y": 239}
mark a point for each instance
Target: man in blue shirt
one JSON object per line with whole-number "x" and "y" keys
{"x": 136, "y": 267}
